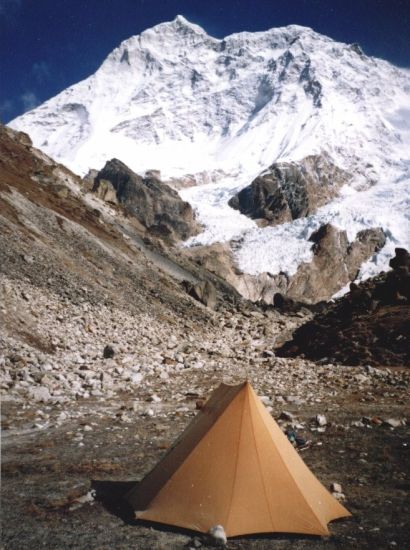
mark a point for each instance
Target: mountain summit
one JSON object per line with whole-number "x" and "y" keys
{"x": 177, "y": 99}
{"x": 223, "y": 111}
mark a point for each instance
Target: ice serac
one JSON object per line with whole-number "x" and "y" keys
{"x": 202, "y": 109}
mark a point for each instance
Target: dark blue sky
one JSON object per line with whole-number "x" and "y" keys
{"x": 46, "y": 45}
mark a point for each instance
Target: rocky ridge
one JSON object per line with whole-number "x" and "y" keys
{"x": 371, "y": 324}
{"x": 335, "y": 262}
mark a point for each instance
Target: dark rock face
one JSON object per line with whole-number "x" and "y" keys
{"x": 335, "y": 262}
{"x": 290, "y": 190}
{"x": 158, "y": 207}
{"x": 370, "y": 325}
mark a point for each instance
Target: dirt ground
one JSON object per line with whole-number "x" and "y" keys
{"x": 45, "y": 472}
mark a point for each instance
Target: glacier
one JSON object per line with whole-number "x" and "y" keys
{"x": 176, "y": 99}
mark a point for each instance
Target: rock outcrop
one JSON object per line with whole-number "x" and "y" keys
{"x": 370, "y": 325}
{"x": 290, "y": 190}
{"x": 335, "y": 262}
{"x": 156, "y": 206}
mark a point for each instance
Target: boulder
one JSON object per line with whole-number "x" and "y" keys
{"x": 156, "y": 206}
{"x": 108, "y": 352}
{"x": 204, "y": 292}
{"x": 290, "y": 190}
{"x": 89, "y": 179}
{"x": 24, "y": 139}
{"x": 321, "y": 420}
{"x": 336, "y": 488}
{"x": 106, "y": 192}
{"x": 40, "y": 394}
{"x": 217, "y": 535}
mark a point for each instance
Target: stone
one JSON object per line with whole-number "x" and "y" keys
{"x": 105, "y": 191}
{"x": 204, "y": 292}
{"x": 265, "y": 400}
{"x": 108, "y": 352}
{"x": 40, "y": 394}
{"x": 285, "y": 415}
{"x": 106, "y": 380}
{"x": 393, "y": 422}
{"x": 88, "y": 180}
{"x": 136, "y": 378}
{"x": 321, "y": 420}
{"x": 217, "y": 535}
{"x": 361, "y": 378}
{"x": 154, "y": 398}
{"x": 336, "y": 488}
{"x": 28, "y": 259}
{"x": 357, "y": 424}
{"x": 294, "y": 400}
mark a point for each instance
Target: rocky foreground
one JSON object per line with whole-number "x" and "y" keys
{"x": 117, "y": 387}
{"x": 371, "y": 324}
{"x": 105, "y": 356}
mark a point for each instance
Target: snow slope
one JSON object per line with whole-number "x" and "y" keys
{"x": 176, "y": 99}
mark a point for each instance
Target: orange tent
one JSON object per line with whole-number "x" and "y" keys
{"x": 233, "y": 466}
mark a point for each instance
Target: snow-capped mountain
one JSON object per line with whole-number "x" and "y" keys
{"x": 176, "y": 99}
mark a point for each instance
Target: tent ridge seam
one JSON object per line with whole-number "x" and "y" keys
{"x": 260, "y": 469}
{"x": 236, "y": 470}
{"x": 324, "y": 525}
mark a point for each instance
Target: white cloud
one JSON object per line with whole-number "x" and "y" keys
{"x": 41, "y": 71}
{"x": 29, "y": 101}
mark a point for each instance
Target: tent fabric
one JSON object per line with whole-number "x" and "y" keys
{"x": 234, "y": 467}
